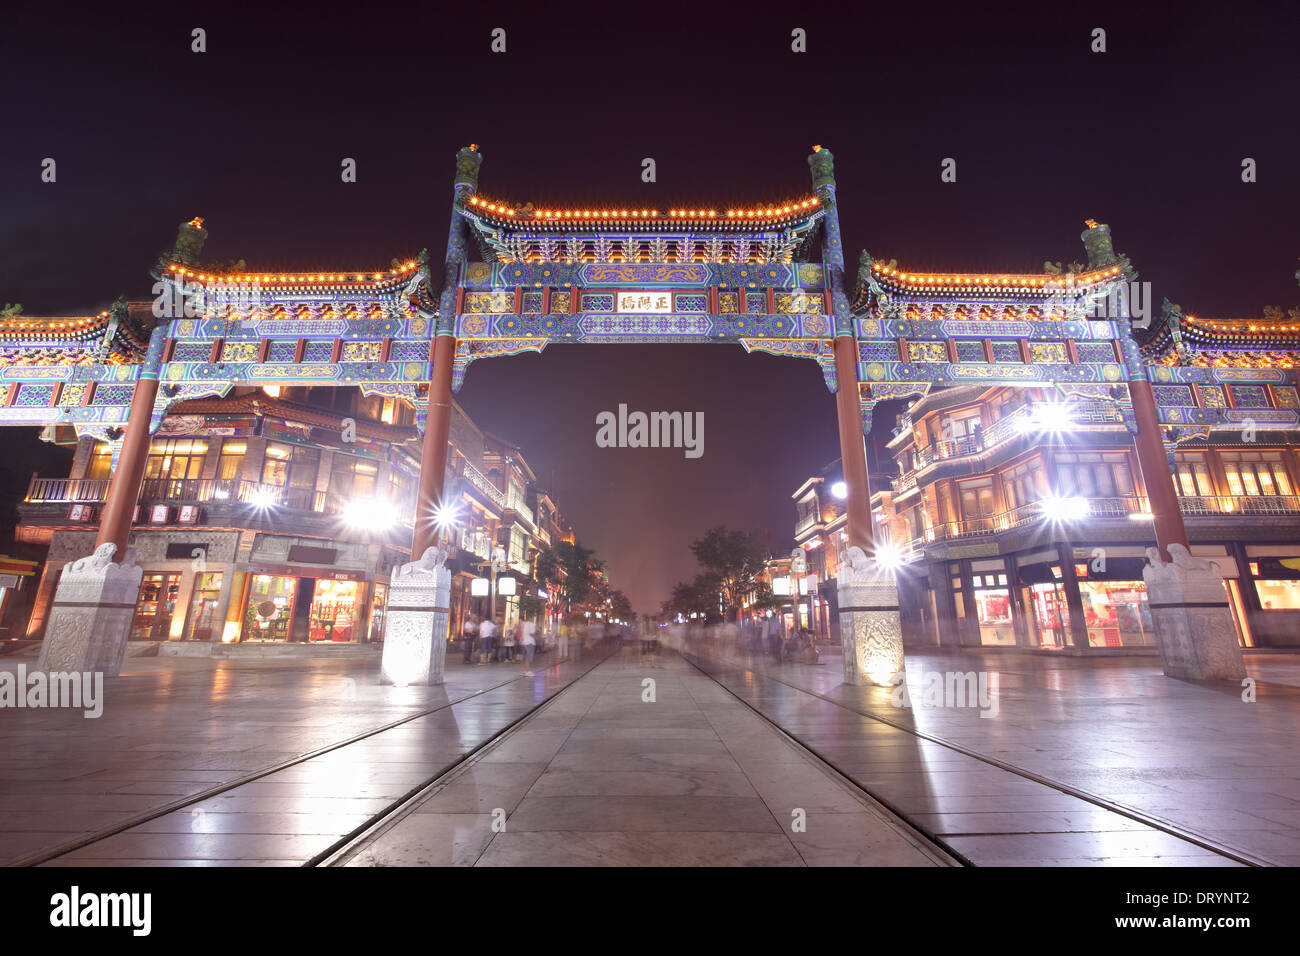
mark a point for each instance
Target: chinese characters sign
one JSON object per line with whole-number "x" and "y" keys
{"x": 661, "y": 302}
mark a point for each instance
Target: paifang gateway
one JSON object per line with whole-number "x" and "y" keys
{"x": 517, "y": 278}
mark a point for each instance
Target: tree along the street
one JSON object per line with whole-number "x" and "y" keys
{"x": 569, "y": 569}
{"x": 735, "y": 559}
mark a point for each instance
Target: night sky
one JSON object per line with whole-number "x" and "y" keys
{"x": 1148, "y": 137}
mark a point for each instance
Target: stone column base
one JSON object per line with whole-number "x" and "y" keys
{"x": 90, "y": 618}
{"x": 416, "y": 622}
{"x": 1192, "y": 618}
{"x": 871, "y": 633}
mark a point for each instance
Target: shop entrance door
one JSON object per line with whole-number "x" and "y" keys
{"x": 155, "y": 607}
{"x": 1050, "y": 615}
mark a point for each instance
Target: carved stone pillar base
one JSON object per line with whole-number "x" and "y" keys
{"x": 1192, "y": 619}
{"x": 871, "y": 634}
{"x": 415, "y": 625}
{"x": 91, "y": 616}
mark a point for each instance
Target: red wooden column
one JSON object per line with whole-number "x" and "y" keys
{"x": 124, "y": 487}
{"x": 853, "y": 446}
{"x": 1154, "y": 465}
{"x": 433, "y": 460}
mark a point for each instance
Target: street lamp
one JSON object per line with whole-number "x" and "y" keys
{"x": 798, "y": 566}
{"x": 498, "y": 565}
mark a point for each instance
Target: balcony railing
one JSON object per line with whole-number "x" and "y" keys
{"x": 479, "y": 481}
{"x": 204, "y": 491}
{"x": 1240, "y": 504}
{"x": 70, "y": 490}
{"x": 1084, "y": 509}
{"x": 477, "y": 543}
{"x": 1001, "y": 431}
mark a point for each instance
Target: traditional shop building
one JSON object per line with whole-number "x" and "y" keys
{"x": 276, "y": 515}
{"x": 1022, "y": 520}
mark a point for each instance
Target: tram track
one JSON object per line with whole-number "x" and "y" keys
{"x": 192, "y": 800}
{"x": 1196, "y": 839}
{"x": 348, "y": 848}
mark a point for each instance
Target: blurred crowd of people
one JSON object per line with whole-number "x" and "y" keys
{"x": 763, "y": 637}
{"x": 485, "y": 641}
{"x": 489, "y": 640}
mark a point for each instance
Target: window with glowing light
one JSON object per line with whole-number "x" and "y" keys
{"x": 290, "y": 466}
{"x": 1094, "y": 475}
{"x": 352, "y": 476}
{"x": 1192, "y": 475}
{"x": 176, "y": 458}
{"x": 1278, "y": 595}
{"x": 101, "y": 462}
{"x": 230, "y": 462}
{"x": 1256, "y": 473}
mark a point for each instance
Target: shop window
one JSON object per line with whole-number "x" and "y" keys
{"x": 1116, "y": 613}
{"x": 270, "y": 607}
{"x": 334, "y": 608}
{"x": 993, "y": 612}
{"x": 204, "y": 619}
{"x": 1278, "y": 595}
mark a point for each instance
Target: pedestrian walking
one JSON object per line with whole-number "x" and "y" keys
{"x": 509, "y": 642}
{"x": 469, "y": 635}
{"x": 528, "y": 643}
{"x": 774, "y": 637}
{"x": 486, "y": 632}
{"x": 576, "y": 642}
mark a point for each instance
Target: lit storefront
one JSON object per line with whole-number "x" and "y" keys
{"x": 1270, "y": 592}
{"x": 295, "y": 608}
{"x": 204, "y": 620}
{"x": 993, "y": 609}
{"x": 155, "y": 607}
{"x": 1049, "y": 622}
{"x": 269, "y": 610}
{"x": 334, "y": 610}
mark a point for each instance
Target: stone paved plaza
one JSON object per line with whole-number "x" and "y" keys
{"x": 1193, "y": 756}
{"x": 291, "y": 761}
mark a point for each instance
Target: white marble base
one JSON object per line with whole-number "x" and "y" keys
{"x": 416, "y": 622}
{"x": 1192, "y": 619}
{"x": 871, "y": 634}
{"x": 90, "y": 618}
